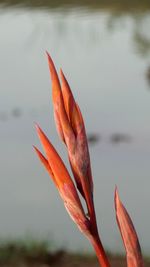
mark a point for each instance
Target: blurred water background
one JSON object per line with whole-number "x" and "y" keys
{"x": 104, "y": 50}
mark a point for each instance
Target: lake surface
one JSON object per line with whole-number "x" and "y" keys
{"x": 105, "y": 53}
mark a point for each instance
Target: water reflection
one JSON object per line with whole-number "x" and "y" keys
{"x": 118, "y": 15}
{"x": 93, "y": 138}
{"x": 148, "y": 75}
{"x": 141, "y": 34}
{"x": 16, "y": 112}
{"x": 3, "y": 116}
{"x": 110, "y": 5}
{"x": 117, "y": 138}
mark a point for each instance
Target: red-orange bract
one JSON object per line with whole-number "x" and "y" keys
{"x": 128, "y": 233}
{"x": 71, "y": 129}
{"x": 70, "y": 126}
{"x": 63, "y": 182}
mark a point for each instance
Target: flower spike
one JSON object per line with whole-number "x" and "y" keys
{"x": 128, "y": 233}
{"x": 74, "y": 134}
{"x": 70, "y": 126}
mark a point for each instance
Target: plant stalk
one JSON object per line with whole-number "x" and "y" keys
{"x": 100, "y": 252}
{"x": 95, "y": 239}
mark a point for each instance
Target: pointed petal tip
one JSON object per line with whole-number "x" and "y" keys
{"x": 35, "y": 148}
{"x": 44, "y": 162}
{"x": 64, "y": 80}
{"x": 116, "y": 196}
{"x": 37, "y": 127}
{"x": 61, "y": 73}
{"x": 38, "y": 152}
{"x": 62, "y": 76}
{"x": 47, "y": 53}
{"x": 41, "y": 134}
{"x": 116, "y": 190}
{"x": 49, "y": 57}
{"x": 50, "y": 61}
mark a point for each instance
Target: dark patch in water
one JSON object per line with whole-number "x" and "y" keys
{"x": 117, "y": 138}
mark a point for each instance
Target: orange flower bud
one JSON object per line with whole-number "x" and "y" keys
{"x": 69, "y": 119}
{"x": 128, "y": 233}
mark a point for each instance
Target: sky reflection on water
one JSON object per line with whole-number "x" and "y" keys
{"x": 105, "y": 59}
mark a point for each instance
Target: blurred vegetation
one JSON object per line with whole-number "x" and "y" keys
{"x": 124, "y": 5}
{"x": 39, "y": 253}
{"x": 18, "y": 250}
